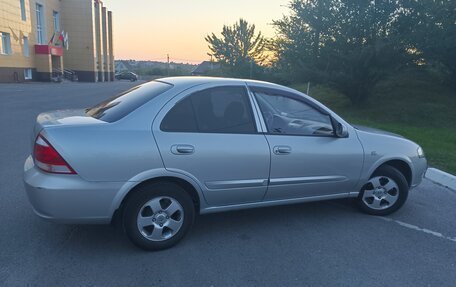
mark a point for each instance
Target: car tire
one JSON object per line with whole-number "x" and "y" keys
{"x": 158, "y": 215}
{"x": 384, "y": 193}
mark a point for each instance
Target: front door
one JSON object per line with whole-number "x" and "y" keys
{"x": 209, "y": 134}
{"x": 307, "y": 159}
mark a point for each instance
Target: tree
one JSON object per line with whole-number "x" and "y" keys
{"x": 300, "y": 36}
{"x": 350, "y": 44}
{"x": 239, "y": 47}
{"x": 430, "y": 30}
{"x": 365, "y": 46}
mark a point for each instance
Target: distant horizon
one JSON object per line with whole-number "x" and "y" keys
{"x": 159, "y": 61}
{"x": 167, "y": 20}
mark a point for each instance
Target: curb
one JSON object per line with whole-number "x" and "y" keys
{"x": 441, "y": 177}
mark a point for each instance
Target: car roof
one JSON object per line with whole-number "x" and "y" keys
{"x": 197, "y": 80}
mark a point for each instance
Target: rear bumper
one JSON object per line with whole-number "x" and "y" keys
{"x": 68, "y": 198}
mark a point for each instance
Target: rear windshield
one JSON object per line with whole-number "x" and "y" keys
{"x": 115, "y": 108}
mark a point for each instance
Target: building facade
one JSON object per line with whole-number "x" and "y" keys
{"x": 42, "y": 40}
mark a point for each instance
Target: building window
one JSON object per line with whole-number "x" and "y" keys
{"x": 40, "y": 32}
{"x": 26, "y": 46}
{"x": 28, "y": 74}
{"x": 23, "y": 15}
{"x": 5, "y": 46}
{"x": 56, "y": 17}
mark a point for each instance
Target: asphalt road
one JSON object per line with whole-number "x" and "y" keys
{"x": 315, "y": 244}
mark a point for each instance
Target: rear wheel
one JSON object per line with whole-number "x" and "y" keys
{"x": 158, "y": 215}
{"x": 384, "y": 193}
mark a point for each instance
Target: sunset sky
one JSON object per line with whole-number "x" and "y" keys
{"x": 150, "y": 29}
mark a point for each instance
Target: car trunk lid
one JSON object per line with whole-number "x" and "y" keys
{"x": 62, "y": 118}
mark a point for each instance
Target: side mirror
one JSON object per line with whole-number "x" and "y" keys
{"x": 341, "y": 130}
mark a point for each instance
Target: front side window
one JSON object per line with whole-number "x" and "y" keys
{"x": 291, "y": 116}
{"x": 215, "y": 110}
{"x": 5, "y": 43}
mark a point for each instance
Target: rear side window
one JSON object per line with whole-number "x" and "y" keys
{"x": 121, "y": 105}
{"x": 216, "y": 110}
{"x": 181, "y": 118}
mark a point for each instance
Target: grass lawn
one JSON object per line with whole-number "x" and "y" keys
{"x": 413, "y": 106}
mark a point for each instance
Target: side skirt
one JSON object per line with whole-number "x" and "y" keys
{"x": 214, "y": 209}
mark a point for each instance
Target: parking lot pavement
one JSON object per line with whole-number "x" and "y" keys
{"x": 315, "y": 244}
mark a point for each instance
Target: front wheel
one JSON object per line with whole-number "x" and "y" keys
{"x": 384, "y": 193}
{"x": 158, "y": 215}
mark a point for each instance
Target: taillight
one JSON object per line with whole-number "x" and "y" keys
{"x": 48, "y": 159}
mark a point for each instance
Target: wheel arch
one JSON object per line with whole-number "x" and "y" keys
{"x": 401, "y": 165}
{"x": 179, "y": 181}
{"x": 131, "y": 186}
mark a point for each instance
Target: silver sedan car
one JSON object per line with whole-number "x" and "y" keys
{"x": 165, "y": 151}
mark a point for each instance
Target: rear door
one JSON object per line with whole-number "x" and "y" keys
{"x": 210, "y": 134}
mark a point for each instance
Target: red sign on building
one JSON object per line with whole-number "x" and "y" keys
{"x": 48, "y": 50}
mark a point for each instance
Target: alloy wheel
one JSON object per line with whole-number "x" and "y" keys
{"x": 160, "y": 218}
{"x": 380, "y": 193}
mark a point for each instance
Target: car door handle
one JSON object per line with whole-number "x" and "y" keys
{"x": 282, "y": 149}
{"x": 182, "y": 149}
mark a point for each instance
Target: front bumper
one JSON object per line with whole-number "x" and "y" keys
{"x": 420, "y": 165}
{"x": 68, "y": 198}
